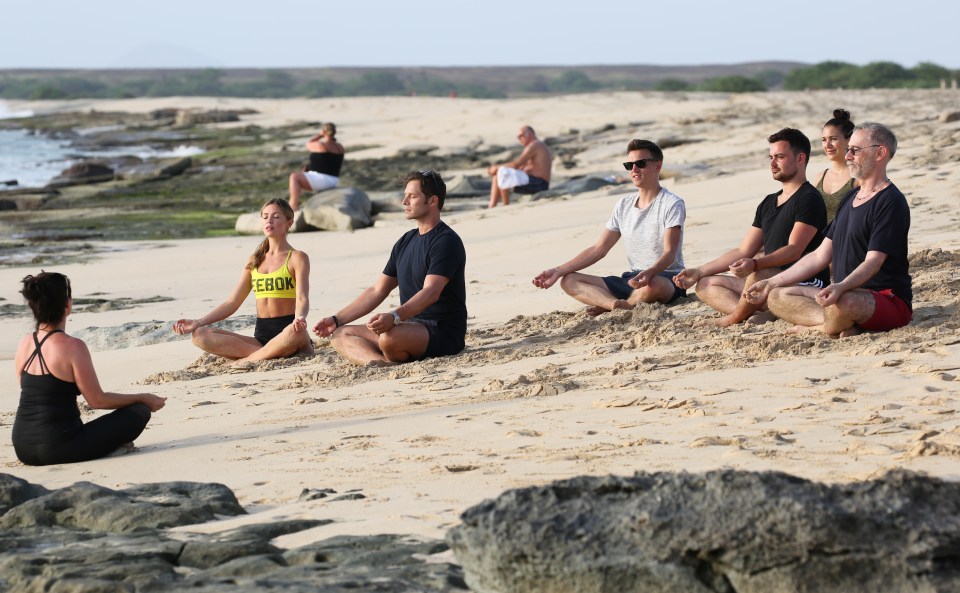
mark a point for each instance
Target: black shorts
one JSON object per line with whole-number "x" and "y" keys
{"x": 445, "y": 339}
{"x": 618, "y": 286}
{"x": 533, "y": 186}
{"x": 270, "y": 327}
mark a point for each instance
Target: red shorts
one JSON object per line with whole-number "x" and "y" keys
{"x": 890, "y": 312}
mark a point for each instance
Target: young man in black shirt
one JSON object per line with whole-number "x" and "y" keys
{"x": 867, "y": 244}
{"x": 427, "y": 263}
{"x": 787, "y": 225}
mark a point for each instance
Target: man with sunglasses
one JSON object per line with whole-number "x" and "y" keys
{"x": 787, "y": 225}
{"x": 529, "y": 173}
{"x": 427, "y": 263}
{"x": 867, "y": 244}
{"x": 651, "y": 222}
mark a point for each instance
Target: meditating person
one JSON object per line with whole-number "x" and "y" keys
{"x": 836, "y": 182}
{"x": 279, "y": 277}
{"x": 54, "y": 368}
{"x": 322, "y": 171}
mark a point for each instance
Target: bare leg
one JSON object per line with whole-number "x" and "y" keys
{"x": 494, "y": 191}
{"x": 359, "y": 345}
{"x": 744, "y": 308}
{"x": 797, "y": 305}
{"x": 286, "y": 343}
{"x": 404, "y": 342}
{"x": 721, "y": 292}
{"x": 221, "y": 342}
{"x": 298, "y": 182}
{"x": 591, "y": 290}
{"x": 505, "y": 196}
{"x": 855, "y": 306}
{"x": 660, "y": 290}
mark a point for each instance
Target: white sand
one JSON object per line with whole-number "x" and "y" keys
{"x": 552, "y": 394}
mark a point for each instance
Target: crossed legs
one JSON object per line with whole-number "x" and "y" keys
{"x": 360, "y": 345}
{"x": 593, "y": 291}
{"x": 227, "y": 344}
{"x": 725, "y": 294}
{"x": 798, "y": 305}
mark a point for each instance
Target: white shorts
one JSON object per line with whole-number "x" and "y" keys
{"x": 508, "y": 178}
{"x": 320, "y": 181}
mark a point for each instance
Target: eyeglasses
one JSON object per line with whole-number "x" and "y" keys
{"x": 856, "y": 149}
{"x": 640, "y": 164}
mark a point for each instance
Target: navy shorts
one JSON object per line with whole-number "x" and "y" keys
{"x": 270, "y": 327}
{"x": 618, "y": 286}
{"x": 445, "y": 340}
{"x": 533, "y": 186}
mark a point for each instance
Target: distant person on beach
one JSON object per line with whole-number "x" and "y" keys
{"x": 651, "y": 223}
{"x": 836, "y": 181}
{"x": 787, "y": 225}
{"x": 529, "y": 173}
{"x": 427, "y": 263}
{"x": 279, "y": 277}
{"x": 867, "y": 244}
{"x": 54, "y": 368}
{"x": 322, "y": 171}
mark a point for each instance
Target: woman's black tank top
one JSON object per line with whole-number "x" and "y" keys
{"x": 48, "y": 410}
{"x": 328, "y": 163}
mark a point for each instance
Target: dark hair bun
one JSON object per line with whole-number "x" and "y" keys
{"x": 841, "y": 114}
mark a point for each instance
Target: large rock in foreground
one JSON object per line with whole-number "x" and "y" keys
{"x": 338, "y": 209}
{"x": 719, "y": 532}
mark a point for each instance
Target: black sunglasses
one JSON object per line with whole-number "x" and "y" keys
{"x": 640, "y": 164}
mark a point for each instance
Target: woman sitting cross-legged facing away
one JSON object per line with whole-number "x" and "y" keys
{"x": 54, "y": 368}
{"x": 279, "y": 277}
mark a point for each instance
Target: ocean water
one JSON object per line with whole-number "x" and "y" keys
{"x": 32, "y": 160}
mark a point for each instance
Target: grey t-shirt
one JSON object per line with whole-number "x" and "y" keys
{"x": 643, "y": 229}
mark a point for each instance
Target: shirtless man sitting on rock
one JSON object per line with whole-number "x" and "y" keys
{"x": 529, "y": 173}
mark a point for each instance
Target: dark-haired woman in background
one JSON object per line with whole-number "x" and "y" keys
{"x": 280, "y": 279}
{"x": 836, "y": 181}
{"x": 54, "y": 368}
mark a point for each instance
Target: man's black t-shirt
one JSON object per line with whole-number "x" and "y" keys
{"x": 439, "y": 252}
{"x": 881, "y": 224}
{"x": 806, "y": 206}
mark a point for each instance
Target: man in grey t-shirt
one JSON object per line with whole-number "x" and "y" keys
{"x": 651, "y": 222}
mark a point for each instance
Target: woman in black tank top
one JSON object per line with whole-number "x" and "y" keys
{"x": 54, "y": 369}
{"x": 322, "y": 171}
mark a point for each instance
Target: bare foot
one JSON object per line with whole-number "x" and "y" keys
{"x": 802, "y": 329}
{"x": 380, "y": 363}
{"x": 725, "y": 321}
{"x": 761, "y": 317}
{"x": 853, "y": 331}
{"x": 123, "y": 450}
{"x": 622, "y": 305}
{"x": 593, "y": 311}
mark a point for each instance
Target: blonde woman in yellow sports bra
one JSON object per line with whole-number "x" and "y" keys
{"x": 279, "y": 276}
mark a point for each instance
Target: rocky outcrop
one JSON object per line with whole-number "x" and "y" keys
{"x": 156, "y": 169}
{"x": 86, "y": 172}
{"x": 338, "y": 209}
{"x": 569, "y": 187}
{"x": 947, "y": 117}
{"x": 186, "y": 117}
{"x": 251, "y": 224}
{"x": 87, "y": 538}
{"x": 718, "y": 532}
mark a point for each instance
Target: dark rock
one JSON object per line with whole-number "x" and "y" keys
{"x": 186, "y": 118}
{"x": 671, "y": 142}
{"x": 947, "y": 117}
{"x": 338, "y": 209}
{"x": 15, "y": 491}
{"x": 9, "y": 182}
{"x": 315, "y": 493}
{"x": 43, "y": 554}
{"x": 577, "y": 185}
{"x": 88, "y": 506}
{"x": 349, "y": 496}
{"x": 719, "y": 532}
{"x": 155, "y": 169}
{"x": 86, "y": 172}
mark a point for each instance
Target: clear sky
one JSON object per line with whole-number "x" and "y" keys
{"x": 322, "y": 33}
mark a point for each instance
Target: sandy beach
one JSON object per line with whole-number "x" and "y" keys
{"x": 542, "y": 391}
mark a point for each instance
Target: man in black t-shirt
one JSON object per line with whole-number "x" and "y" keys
{"x": 787, "y": 225}
{"x": 867, "y": 244}
{"x": 427, "y": 263}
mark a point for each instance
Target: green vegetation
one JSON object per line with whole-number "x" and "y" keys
{"x": 826, "y": 75}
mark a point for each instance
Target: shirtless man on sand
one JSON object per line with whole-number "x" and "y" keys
{"x": 529, "y": 173}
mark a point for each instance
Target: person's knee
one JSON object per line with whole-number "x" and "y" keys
{"x": 141, "y": 411}
{"x": 569, "y": 283}
{"x": 201, "y": 336}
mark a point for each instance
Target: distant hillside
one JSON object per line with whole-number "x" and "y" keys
{"x": 493, "y": 81}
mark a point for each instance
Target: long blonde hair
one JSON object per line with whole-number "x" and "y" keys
{"x": 261, "y": 252}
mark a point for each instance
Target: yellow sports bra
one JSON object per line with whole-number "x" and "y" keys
{"x": 278, "y": 284}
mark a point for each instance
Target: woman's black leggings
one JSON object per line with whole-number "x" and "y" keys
{"x": 95, "y": 439}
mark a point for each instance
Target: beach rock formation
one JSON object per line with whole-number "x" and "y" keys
{"x": 156, "y": 169}
{"x": 86, "y": 172}
{"x": 251, "y": 224}
{"x": 87, "y": 538}
{"x": 719, "y": 532}
{"x": 947, "y": 117}
{"x": 338, "y": 209}
{"x": 569, "y": 187}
